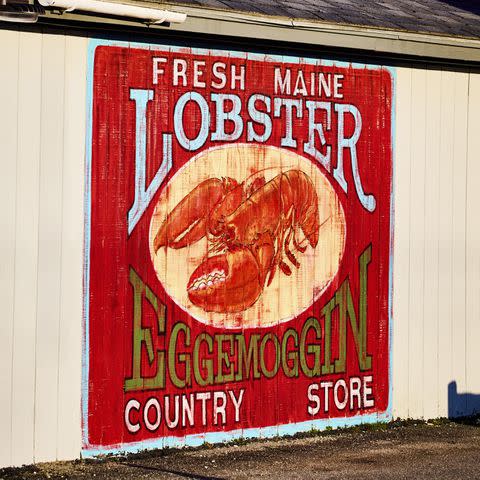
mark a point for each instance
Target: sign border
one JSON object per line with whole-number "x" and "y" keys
{"x": 195, "y": 440}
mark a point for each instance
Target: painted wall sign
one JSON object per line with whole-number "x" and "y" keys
{"x": 237, "y": 260}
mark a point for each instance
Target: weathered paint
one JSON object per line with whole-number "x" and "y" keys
{"x": 434, "y": 348}
{"x": 144, "y": 302}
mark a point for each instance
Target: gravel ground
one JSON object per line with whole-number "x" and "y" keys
{"x": 439, "y": 449}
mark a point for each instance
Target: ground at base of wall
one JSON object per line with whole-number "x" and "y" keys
{"x": 397, "y": 450}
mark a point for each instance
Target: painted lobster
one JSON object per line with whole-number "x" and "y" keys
{"x": 252, "y": 227}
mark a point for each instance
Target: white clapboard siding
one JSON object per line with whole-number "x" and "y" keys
{"x": 401, "y": 263}
{"x": 472, "y": 297}
{"x": 432, "y": 190}
{"x": 42, "y": 133}
{"x": 459, "y": 182}
{"x": 445, "y": 241}
{"x": 437, "y": 237}
{"x": 49, "y": 248}
{"x": 416, "y": 281}
{"x": 9, "y": 45}
{"x": 71, "y": 304}
{"x": 26, "y": 253}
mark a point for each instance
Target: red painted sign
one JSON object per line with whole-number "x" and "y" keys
{"x": 238, "y": 245}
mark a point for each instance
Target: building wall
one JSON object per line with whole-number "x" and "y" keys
{"x": 42, "y": 137}
{"x": 436, "y": 318}
{"x": 436, "y": 300}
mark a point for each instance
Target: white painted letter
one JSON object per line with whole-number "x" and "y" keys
{"x": 367, "y": 391}
{"x": 201, "y": 138}
{"x": 367, "y": 201}
{"x": 318, "y": 127}
{"x": 203, "y": 397}
{"x": 152, "y": 402}
{"x": 132, "y": 405}
{"x": 222, "y": 117}
{"x": 282, "y": 85}
{"x": 171, "y": 423}
{"x": 237, "y": 402}
{"x": 240, "y": 77}
{"x": 324, "y": 85}
{"x": 287, "y": 140}
{"x": 300, "y": 86}
{"x": 340, "y": 404}
{"x": 218, "y": 72}
{"x": 313, "y": 397}
{"x": 219, "y": 403}
{"x": 197, "y": 73}
{"x": 179, "y": 70}
{"x": 157, "y": 70}
{"x": 143, "y": 195}
{"x": 259, "y": 117}
{"x": 355, "y": 387}
{"x": 337, "y": 86}
{"x": 327, "y": 386}
{"x": 188, "y": 410}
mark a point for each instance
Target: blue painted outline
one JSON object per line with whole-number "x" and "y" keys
{"x": 393, "y": 127}
{"x": 194, "y": 440}
{"x": 86, "y": 250}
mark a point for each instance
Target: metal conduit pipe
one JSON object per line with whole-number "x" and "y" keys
{"x": 150, "y": 15}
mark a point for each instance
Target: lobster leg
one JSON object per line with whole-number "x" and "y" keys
{"x": 310, "y": 225}
{"x": 271, "y": 274}
{"x": 285, "y": 268}
{"x": 297, "y": 245}
{"x": 187, "y": 222}
{"x": 278, "y": 256}
{"x": 264, "y": 252}
{"x": 288, "y": 252}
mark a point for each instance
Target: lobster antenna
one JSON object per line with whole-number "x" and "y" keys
{"x": 267, "y": 168}
{"x": 252, "y": 177}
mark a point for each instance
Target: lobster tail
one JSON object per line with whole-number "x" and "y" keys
{"x": 310, "y": 225}
{"x": 306, "y": 205}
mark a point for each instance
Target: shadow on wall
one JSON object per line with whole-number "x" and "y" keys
{"x": 466, "y": 5}
{"x": 462, "y": 404}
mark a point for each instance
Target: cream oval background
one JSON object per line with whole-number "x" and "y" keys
{"x": 287, "y": 296}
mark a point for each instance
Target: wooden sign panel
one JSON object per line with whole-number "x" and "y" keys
{"x": 238, "y": 246}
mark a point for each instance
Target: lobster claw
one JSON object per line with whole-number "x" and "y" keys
{"x": 226, "y": 283}
{"x": 187, "y": 222}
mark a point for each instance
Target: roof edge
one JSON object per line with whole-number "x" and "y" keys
{"x": 256, "y": 17}
{"x": 239, "y": 24}
{"x": 236, "y": 24}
